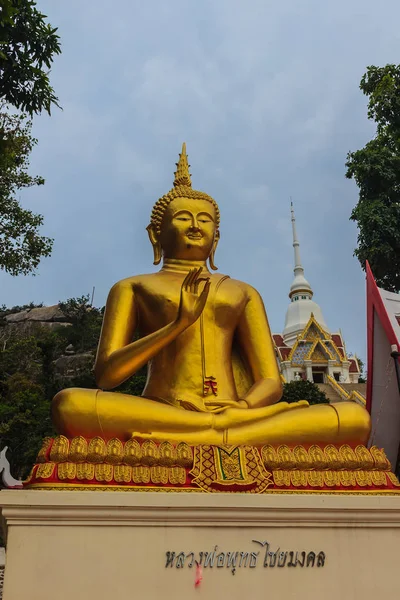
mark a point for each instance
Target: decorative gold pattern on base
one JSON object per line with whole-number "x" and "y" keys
{"x": 105, "y": 473}
{"x": 330, "y": 457}
{"x": 44, "y": 471}
{"x": 217, "y": 467}
{"x": 146, "y": 465}
{"x": 333, "y": 478}
{"x": 114, "y": 452}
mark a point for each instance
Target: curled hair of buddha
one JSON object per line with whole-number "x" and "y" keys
{"x": 182, "y": 189}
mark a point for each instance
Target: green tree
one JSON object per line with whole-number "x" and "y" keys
{"x": 376, "y": 171}
{"x": 24, "y": 406}
{"x": 303, "y": 390}
{"x": 362, "y": 377}
{"x": 27, "y": 48}
{"x": 21, "y": 245}
{"x": 86, "y": 320}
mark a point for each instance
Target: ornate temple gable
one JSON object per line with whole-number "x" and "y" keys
{"x": 334, "y": 351}
{"x": 314, "y": 343}
{"x": 313, "y": 331}
{"x": 299, "y": 352}
{"x": 319, "y": 352}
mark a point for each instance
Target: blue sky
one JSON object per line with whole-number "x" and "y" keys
{"x": 266, "y": 96}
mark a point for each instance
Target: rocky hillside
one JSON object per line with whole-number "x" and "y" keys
{"x": 69, "y": 361}
{"x": 46, "y": 316}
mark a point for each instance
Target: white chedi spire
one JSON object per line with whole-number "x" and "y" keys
{"x": 300, "y": 283}
{"x": 302, "y": 305}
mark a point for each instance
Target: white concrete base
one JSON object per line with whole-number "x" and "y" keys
{"x": 79, "y": 545}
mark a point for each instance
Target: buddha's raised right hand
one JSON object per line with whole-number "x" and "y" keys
{"x": 192, "y": 301}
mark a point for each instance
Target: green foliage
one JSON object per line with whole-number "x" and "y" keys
{"x": 24, "y": 406}
{"x": 21, "y": 245}
{"x": 86, "y": 320}
{"x": 362, "y": 377}
{"x": 14, "y": 309}
{"x": 29, "y": 378}
{"x": 376, "y": 170}
{"x": 303, "y": 390}
{"x": 27, "y": 47}
{"x": 24, "y": 421}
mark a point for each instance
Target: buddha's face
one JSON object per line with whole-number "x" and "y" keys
{"x": 188, "y": 229}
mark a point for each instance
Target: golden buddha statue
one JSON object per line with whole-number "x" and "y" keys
{"x": 212, "y": 373}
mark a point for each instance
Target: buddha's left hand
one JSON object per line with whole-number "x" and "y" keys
{"x": 221, "y": 405}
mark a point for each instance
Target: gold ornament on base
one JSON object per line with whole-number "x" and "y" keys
{"x": 146, "y": 465}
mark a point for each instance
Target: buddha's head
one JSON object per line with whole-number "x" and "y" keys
{"x": 184, "y": 223}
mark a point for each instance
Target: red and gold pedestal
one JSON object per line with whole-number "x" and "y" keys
{"x": 144, "y": 465}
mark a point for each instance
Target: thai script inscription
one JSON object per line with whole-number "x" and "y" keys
{"x": 234, "y": 560}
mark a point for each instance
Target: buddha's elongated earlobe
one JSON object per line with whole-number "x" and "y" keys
{"x": 212, "y": 255}
{"x": 155, "y": 242}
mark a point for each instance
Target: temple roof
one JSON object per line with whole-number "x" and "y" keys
{"x": 354, "y": 366}
{"x": 283, "y": 351}
{"x": 337, "y": 338}
{"x": 314, "y": 343}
